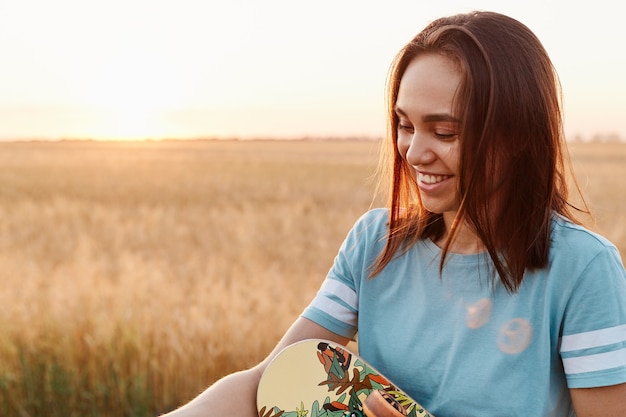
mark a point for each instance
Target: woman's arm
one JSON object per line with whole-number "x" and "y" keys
{"x": 607, "y": 401}
{"x": 217, "y": 400}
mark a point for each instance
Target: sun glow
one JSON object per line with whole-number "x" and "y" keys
{"x": 131, "y": 93}
{"x": 129, "y": 119}
{"x": 131, "y": 123}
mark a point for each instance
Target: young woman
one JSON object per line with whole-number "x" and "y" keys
{"x": 498, "y": 303}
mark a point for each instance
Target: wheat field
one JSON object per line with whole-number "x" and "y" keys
{"x": 134, "y": 274}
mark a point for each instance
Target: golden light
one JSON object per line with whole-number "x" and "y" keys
{"x": 129, "y": 122}
{"x": 131, "y": 94}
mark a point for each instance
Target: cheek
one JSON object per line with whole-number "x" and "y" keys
{"x": 453, "y": 157}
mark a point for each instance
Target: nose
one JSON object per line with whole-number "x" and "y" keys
{"x": 419, "y": 151}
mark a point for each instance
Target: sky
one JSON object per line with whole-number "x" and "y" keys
{"x": 135, "y": 69}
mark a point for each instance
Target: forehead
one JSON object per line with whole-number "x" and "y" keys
{"x": 428, "y": 86}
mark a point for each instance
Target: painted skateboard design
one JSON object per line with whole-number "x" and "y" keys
{"x": 317, "y": 378}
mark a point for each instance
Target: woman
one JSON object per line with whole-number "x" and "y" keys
{"x": 498, "y": 303}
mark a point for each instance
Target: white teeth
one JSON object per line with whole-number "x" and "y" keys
{"x": 431, "y": 179}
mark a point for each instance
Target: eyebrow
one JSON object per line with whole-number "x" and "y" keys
{"x": 429, "y": 118}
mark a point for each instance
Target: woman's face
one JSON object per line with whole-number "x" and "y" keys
{"x": 428, "y": 130}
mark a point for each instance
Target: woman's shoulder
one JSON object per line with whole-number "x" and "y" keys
{"x": 572, "y": 234}
{"x": 375, "y": 220}
{"x": 375, "y": 217}
{"x": 372, "y": 226}
{"x": 575, "y": 242}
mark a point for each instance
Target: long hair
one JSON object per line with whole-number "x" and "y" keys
{"x": 513, "y": 154}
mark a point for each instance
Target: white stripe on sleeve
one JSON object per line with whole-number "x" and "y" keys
{"x": 337, "y": 300}
{"x": 597, "y": 362}
{"x": 332, "y": 287}
{"x": 596, "y": 338}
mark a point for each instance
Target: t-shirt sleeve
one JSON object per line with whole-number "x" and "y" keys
{"x": 593, "y": 342}
{"x": 336, "y": 305}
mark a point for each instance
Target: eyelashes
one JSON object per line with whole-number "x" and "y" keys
{"x": 439, "y": 133}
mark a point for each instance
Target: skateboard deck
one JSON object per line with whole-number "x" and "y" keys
{"x": 318, "y": 378}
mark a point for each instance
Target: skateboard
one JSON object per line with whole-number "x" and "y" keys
{"x": 318, "y": 378}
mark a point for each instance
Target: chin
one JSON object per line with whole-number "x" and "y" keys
{"x": 442, "y": 209}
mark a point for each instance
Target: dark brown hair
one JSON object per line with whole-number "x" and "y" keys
{"x": 513, "y": 153}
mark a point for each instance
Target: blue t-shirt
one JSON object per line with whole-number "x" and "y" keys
{"x": 464, "y": 347}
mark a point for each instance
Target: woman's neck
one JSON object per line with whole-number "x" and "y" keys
{"x": 465, "y": 240}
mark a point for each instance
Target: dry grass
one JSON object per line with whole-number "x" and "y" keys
{"x": 601, "y": 172}
{"x": 135, "y": 274}
{"x": 153, "y": 268}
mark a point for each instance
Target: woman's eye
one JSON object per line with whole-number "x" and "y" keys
{"x": 405, "y": 127}
{"x": 445, "y": 135}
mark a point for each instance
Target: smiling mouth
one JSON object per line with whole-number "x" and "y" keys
{"x": 432, "y": 179}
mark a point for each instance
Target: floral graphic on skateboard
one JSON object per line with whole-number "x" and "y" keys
{"x": 341, "y": 384}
